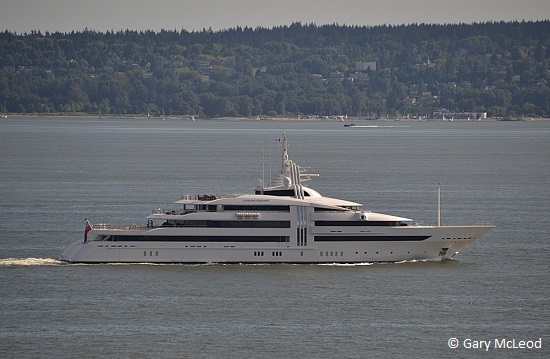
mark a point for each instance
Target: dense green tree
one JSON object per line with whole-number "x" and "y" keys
{"x": 301, "y": 69}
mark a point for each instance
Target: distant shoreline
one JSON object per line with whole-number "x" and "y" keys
{"x": 264, "y": 118}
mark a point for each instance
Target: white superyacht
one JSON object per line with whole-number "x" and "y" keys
{"x": 282, "y": 222}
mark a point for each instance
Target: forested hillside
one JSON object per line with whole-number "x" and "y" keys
{"x": 500, "y": 68}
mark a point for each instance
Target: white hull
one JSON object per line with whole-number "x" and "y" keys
{"x": 444, "y": 243}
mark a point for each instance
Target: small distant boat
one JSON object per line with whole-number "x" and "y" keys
{"x": 350, "y": 125}
{"x": 3, "y": 116}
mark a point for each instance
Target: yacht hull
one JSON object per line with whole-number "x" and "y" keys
{"x": 392, "y": 244}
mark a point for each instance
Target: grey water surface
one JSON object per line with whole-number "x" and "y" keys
{"x": 54, "y": 172}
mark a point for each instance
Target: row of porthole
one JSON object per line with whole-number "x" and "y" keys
{"x": 115, "y": 246}
{"x": 332, "y": 254}
{"x": 335, "y": 254}
{"x": 408, "y": 252}
{"x": 150, "y": 253}
{"x": 273, "y": 254}
{"x": 379, "y": 252}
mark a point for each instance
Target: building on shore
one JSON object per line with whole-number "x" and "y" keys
{"x": 449, "y": 115}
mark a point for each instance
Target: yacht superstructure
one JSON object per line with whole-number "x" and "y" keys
{"x": 282, "y": 222}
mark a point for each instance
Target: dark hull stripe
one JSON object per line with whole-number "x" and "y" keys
{"x": 263, "y": 239}
{"x": 145, "y": 238}
{"x": 370, "y": 238}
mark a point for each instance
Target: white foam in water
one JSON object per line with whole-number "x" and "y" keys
{"x": 346, "y": 264}
{"x": 29, "y": 262}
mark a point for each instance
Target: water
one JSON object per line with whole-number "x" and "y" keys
{"x": 54, "y": 172}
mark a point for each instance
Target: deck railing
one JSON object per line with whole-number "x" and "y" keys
{"x": 132, "y": 227}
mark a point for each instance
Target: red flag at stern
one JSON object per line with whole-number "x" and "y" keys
{"x": 88, "y": 228}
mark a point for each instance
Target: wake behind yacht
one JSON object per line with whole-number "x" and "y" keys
{"x": 281, "y": 222}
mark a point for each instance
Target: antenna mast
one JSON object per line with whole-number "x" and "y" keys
{"x": 439, "y": 204}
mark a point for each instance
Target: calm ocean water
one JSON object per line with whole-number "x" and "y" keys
{"x": 54, "y": 172}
